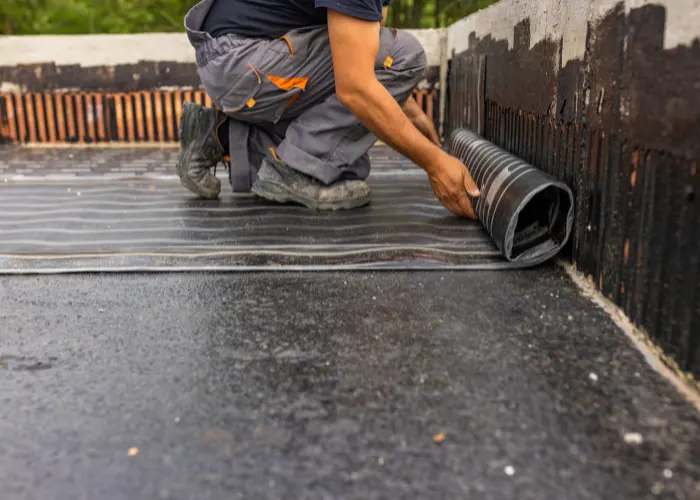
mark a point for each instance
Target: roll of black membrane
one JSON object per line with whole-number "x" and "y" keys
{"x": 528, "y": 213}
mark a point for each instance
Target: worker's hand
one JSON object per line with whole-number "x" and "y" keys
{"x": 420, "y": 120}
{"x": 453, "y": 184}
{"x": 426, "y": 126}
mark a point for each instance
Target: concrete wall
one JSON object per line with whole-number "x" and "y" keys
{"x": 640, "y": 61}
{"x": 112, "y": 50}
{"x": 567, "y": 20}
{"x": 606, "y": 96}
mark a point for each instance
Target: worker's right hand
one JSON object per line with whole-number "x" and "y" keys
{"x": 453, "y": 185}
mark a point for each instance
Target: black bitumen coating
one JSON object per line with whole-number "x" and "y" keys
{"x": 330, "y": 386}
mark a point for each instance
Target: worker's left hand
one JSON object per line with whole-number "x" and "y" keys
{"x": 426, "y": 126}
{"x": 421, "y": 121}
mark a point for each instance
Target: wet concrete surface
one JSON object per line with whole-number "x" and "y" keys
{"x": 330, "y": 386}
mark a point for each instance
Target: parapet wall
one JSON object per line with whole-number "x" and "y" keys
{"x": 605, "y": 96}
{"x": 119, "y": 88}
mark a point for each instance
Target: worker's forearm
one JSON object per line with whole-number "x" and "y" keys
{"x": 382, "y": 115}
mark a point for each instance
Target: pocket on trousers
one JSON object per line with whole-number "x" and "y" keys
{"x": 259, "y": 91}
{"x": 240, "y": 93}
{"x": 278, "y": 94}
{"x": 272, "y": 97}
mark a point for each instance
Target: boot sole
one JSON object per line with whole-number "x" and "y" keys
{"x": 279, "y": 193}
{"x": 195, "y": 189}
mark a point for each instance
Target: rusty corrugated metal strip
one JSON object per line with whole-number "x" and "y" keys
{"x": 70, "y": 117}
{"x": 158, "y": 117}
{"x": 125, "y": 101}
{"x": 31, "y": 116}
{"x": 60, "y": 119}
{"x": 169, "y": 117}
{"x": 103, "y": 118}
{"x": 80, "y": 117}
{"x": 50, "y": 117}
{"x": 92, "y": 117}
{"x": 19, "y": 110}
{"x": 42, "y": 125}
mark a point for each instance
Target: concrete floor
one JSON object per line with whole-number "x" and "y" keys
{"x": 330, "y": 386}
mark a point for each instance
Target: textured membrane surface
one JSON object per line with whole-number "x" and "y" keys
{"x": 330, "y": 385}
{"x": 118, "y": 210}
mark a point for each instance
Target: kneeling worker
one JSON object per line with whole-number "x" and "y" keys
{"x": 304, "y": 88}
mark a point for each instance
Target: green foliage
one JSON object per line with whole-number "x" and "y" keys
{"x": 422, "y": 13}
{"x": 25, "y": 17}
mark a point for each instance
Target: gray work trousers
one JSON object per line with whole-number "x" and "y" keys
{"x": 280, "y": 93}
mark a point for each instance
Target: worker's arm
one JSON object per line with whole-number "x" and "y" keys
{"x": 355, "y": 47}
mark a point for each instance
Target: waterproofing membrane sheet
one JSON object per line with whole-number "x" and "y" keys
{"x": 528, "y": 213}
{"x": 125, "y": 212}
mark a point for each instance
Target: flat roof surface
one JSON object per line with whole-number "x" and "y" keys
{"x": 331, "y": 385}
{"x": 326, "y": 385}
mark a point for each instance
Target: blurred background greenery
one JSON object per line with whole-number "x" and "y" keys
{"x": 30, "y": 17}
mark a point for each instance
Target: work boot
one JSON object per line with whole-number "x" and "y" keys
{"x": 278, "y": 182}
{"x": 200, "y": 149}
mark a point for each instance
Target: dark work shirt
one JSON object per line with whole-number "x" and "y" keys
{"x": 273, "y": 18}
